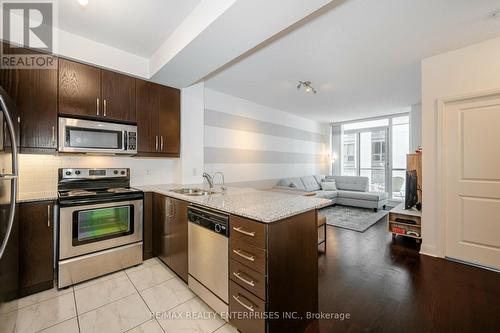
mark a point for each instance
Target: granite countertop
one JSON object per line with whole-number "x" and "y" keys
{"x": 36, "y": 196}
{"x": 258, "y": 205}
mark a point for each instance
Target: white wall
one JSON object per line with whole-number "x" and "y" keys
{"x": 471, "y": 69}
{"x": 251, "y": 142}
{"x": 415, "y": 127}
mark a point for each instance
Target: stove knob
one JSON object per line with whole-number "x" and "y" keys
{"x": 115, "y": 172}
{"x": 218, "y": 228}
{"x": 123, "y": 172}
{"x": 68, "y": 173}
{"x": 77, "y": 172}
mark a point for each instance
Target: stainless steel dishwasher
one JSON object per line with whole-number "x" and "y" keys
{"x": 208, "y": 264}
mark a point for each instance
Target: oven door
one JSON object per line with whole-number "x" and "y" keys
{"x": 95, "y": 137}
{"x": 95, "y": 227}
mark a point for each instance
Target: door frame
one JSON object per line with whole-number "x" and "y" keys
{"x": 441, "y": 162}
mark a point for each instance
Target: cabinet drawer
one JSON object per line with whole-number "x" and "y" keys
{"x": 248, "y": 255}
{"x": 251, "y": 280}
{"x": 248, "y": 231}
{"x": 247, "y": 308}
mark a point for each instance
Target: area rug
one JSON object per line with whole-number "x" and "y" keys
{"x": 352, "y": 218}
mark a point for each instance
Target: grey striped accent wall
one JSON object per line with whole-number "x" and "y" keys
{"x": 251, "y": 142}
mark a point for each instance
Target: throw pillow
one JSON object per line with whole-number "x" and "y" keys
{"x": 328, "y": 186}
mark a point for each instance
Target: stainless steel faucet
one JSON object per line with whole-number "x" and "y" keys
{"x": 223, "y": 186}
{"x": 209, "y": 180}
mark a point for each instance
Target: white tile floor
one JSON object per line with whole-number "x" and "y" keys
{"x": 119, "y": 302}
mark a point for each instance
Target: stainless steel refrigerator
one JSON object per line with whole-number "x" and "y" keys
{"x": 9, "y": 233}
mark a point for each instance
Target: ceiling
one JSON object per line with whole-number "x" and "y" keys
{"x": 363, "y": 57}
{"x": 123, "y": 24}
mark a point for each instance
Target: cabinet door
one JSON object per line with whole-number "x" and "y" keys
{"x": 148, "y": 231}
{"x": 36, "y": 246}
{"x": 179, "y": 239}
{"x": 147, "y": 104}
{"x": 37, "y": 104}
{"x": 79, "y": 89}
{"x": 162, "y": 212}
{"x": 118, "y": 96}
{"x": 169, "y": 121}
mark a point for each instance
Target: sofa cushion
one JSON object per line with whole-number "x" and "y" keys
{"x": 297, "y": 183}
{"x": 371, "y": 196}
{"x": 351, "y": 183}
{"x": 285, "y": 182}
{"x": 310, "y": 183}
{"x": 319, "y": 178}
{"x": 326, "y": 194}
{"x": 329, "y": 186}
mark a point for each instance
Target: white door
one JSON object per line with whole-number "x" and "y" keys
{"x": 472, "y": 184}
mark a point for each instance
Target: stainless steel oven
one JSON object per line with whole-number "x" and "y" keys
{"x": 94, "y": 227}
{"x": 100, "y": 224}
{"x": 96, "y": 137}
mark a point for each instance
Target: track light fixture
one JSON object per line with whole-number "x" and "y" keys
{"x": 307, "y": 86}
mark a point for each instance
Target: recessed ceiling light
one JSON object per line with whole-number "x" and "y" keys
{"x": 83, "y": 3}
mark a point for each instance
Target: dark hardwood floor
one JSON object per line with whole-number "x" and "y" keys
{"x": 387, "y": 286}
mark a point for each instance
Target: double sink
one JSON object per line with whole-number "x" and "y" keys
{"x": 193, "y": 192}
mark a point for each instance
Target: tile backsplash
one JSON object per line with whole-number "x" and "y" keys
{"x": 38, "y": 173}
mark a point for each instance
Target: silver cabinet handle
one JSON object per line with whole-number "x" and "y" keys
{"x": 241, "y": 231}
{"x": 244, "y": 256}
{"x": 248, "y": 307}
{"x": 48, "y": 216}
{"x": 97, "y": 106}
{"x": 249, "y": 282}
{"x": 161, "y": 143}
{"x": 156, "y": 143}
{"x": 104, "y": 106}
{"x": 53, "y": 135}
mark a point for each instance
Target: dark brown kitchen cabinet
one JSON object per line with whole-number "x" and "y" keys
{"x": 147, "y": 247}
{"x": 158, "y": 119}
{"x": 93, "y": 92}
{"x": 171, "y": 233}
{"x": 36, "y": 246}
{"x": 35, "y": 93}
{"x": 79, "y": 89}
{"x": 118, "y": 96}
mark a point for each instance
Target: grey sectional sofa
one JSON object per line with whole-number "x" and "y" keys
{"x": 351, "y": 191}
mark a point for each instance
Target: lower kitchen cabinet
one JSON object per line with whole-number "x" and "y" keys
{"x": 36, "y": 247}
{"x": 170, "y": 233}
{"x": 147, "y": 231}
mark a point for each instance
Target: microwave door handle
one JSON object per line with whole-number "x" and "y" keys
{"x": 125, "y": 138}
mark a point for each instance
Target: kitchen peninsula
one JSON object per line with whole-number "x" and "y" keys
{"x": 266, "y": 260}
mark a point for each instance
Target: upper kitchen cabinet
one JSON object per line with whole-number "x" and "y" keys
{"x": 118, "y": 96}
{"x": 89, "y": 91}
{"x": 158, "y": 119}
{"x": 79, "y": 89}
{"x": 34, "y": 91}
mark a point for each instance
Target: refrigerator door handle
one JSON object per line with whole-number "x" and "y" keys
{"x": 13, "y": 191}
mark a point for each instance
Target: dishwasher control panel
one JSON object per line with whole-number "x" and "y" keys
{"x": 214, "y": 221}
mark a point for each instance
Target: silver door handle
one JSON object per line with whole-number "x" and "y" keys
{"x": 249, "y": 282}
{"x": 104, "y": 105}
{"x": 97, "y": 106}
{"x": 8, "y": 176}
{"x": 53, "y": 135}
{"x": 244, "y": 256}
{"x": 161, "y": 143}
{"x": 248, "y": 307}
{"x": 48, "y": 216}
{"x": 156, "y": 142}
{"x": 241, "y": 231}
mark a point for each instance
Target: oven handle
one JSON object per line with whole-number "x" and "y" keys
{"x": 79, "y": 202}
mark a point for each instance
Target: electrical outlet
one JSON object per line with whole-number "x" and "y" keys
{"x": 148, "y": 172}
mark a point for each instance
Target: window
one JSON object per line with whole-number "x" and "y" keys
{"x": 377, "y": 149}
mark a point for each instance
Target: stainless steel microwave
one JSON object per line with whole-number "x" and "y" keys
{"x": 96, "y": 137}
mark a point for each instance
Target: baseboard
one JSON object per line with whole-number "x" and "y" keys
{"x": 429, "y": 250}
